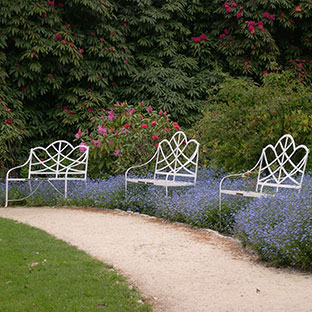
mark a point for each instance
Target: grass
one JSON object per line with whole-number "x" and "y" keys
{"x": 41, "y": 273}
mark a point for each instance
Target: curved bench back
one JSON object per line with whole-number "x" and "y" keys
{"x": 59, "y": 160}
{"x": 177, "y": 157}
{"x": 282, "y": 165}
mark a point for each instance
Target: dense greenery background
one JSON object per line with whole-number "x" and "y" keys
{"x": 62, "y": 63}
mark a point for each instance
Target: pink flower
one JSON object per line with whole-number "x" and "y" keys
{"x": 155, "y": 137}
{"x": 51, "y": 4}
{"x": 264, "y": 72}
{"x": 90, "y": 110}
{"x": 196, "y": 39}
{"x": 203, "y": 37}
{"x": 233, "y": 4}
{"x": 142, "y": 103}
{"x": 96, "y": 143}
{"x": 126, "y": 126}
{"x": 58, "y": 36}
{"x": 80, "y": 50}
{"x": 238, "y": 15}
{"x": 82, "y": 147}
{"x": 149, "y": 109}
{"x": 153, "y": 123}
{"x": 79, "y": 134}
{"x": 144, "y": 126}
{"x": 117, "y": 152}
{"x": 226, "y": 31}
{"x": 101, "y": 130}
{"x": 268, "y": 16}
{"x": 111, "y": 114}
{"x": 176, "y": 126}
{"x": 44, "y": 15}
{"x": 166, "y": 129}
{"x": 130, "y": 111}
{"x": 9, "y": 121}
{"x": 222, "y": 36}
{"x": 260, "y": 25}
{"x": 141, "y": 118}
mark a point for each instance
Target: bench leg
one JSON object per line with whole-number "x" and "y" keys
{"x": 65, "y": 189}
{"x": 6, "y": 193}
{"x": 220, "y": 207}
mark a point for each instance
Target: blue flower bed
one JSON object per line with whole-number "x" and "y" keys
{"x": 278, "y": 228}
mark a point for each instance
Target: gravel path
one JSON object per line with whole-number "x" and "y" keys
{"x": 180, "y": 269}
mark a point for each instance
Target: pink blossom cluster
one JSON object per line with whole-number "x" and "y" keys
{"x": 252, "y": 25}
{"x": 82, "y": 147}
{"x": 111, "y": 114}
{"x": 96, "y": 143}
{"x": 117, "y": 152}
{"x": 200, "y": 38}
{"x": 102, "y": 130}
{"x": 130, "y": 112}
{"x": 149, "y": 109}
{"x": 79, "y": 134}
{"x": 228, "y": 5}
{"x": 269, "y": 16}
{"x": 225, "y": 32}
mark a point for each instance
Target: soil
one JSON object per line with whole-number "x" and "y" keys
{"x": 176, "y": 268}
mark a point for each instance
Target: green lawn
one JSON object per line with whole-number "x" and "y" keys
{"x": 41, "y": 273}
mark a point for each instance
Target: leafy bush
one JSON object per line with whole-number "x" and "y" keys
{"x": 61, "y": 61}
{"x": 124, "y": 136}
{"x": 243, "y": 117}
{"x": 58, "y": 61}
{"x": 175, "y": 59}
{"x": 257, "y": 37}
{"x": 279, "y": 228}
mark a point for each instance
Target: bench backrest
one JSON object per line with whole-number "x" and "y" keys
{"x": 282, "y": 165}
{"x": 177, "y": 158}
{"x": 59, "y": 160}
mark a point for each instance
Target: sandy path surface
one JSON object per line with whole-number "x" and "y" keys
{"x": 179, "y": 268}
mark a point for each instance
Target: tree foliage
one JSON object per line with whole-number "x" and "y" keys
{"x": 61, "y": 62}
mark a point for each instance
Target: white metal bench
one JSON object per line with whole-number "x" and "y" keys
{"x": 176, "y": 163}
{"x": 280, "y": 166}
{"x": 60, "y": 161}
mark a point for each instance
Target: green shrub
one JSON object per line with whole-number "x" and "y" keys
{"x": 124, "y": 136}
{"x": 175, "y": 63}
{"x": 257, "y": 37}
{"x": 243, "y": 117}
{"x": 58, "y": 62}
